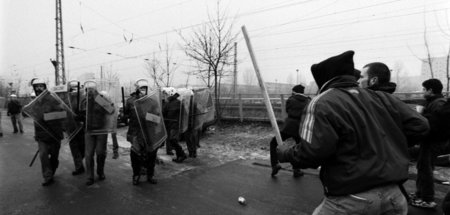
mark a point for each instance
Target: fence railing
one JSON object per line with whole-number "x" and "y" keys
{"x": 251, "y": 107}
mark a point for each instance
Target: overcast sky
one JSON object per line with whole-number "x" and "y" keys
{"x": 287, "y": 35}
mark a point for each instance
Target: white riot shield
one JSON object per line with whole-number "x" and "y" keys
{"x": 101, "y": 113}
{"x": 203, "y": 107}
{"x": 185, "y": 98}
{"x": 151, "y": 122}
{"x": 52, "y": 114}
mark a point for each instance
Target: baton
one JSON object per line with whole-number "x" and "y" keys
{"x": 78, "y": 98}
{"x": 273, "y": 147}
{"x": 34, "y": 158}
{"x": 123, "y": 99}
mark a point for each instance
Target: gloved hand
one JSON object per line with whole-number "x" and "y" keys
{"x": 283, "y": 153}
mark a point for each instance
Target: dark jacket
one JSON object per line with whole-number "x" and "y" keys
{"x": 129, "y": 111}
{"x": 358, "y": 136}
{"x": 388, "y": 87}
{"x": 432, "y": 105}
{"x": 294, "y": 108}
{"x": 171, "y": 112}
{"x": 14, "y": 107}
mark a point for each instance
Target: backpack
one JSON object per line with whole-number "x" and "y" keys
{"x": 440, "y": 122}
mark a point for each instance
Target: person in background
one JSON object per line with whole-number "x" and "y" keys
{"x": 294, "y": 109}
{"x": 377, "y": 76}
{"x": 429, "y": 148}
{"x": 171, "y": 113}
{"x": 360, "y": 139}
{"x": 15, "y": 112}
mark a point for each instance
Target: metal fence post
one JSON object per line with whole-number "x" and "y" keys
{"x": 241, "y": 109}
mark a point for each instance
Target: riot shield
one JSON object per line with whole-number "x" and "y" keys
{"x": 203, "y": 107}
{"x": 101, "y": 113}
{"x": 185, "y": 98}
{"x": 62, "y": 93}
{"x": 151, "y": 122}
{"x": 50, "y": 112}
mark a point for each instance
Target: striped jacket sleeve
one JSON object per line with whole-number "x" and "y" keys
{"x": 319, "y": 137}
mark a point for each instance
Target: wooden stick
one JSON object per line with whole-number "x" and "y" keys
{"x": 269, "y": 108}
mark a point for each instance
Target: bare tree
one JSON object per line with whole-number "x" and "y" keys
{"x": 154, "y": 72}
{"x": 161, "y": 73}
{"x": 212, "y": 47}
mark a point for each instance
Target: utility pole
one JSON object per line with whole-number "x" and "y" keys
{"x": 60, "y": 76}
{"x": 297, "y": 76}
{"x": 235, "y": 70}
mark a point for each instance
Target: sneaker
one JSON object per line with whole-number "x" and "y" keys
{"x": 423, "y": 204}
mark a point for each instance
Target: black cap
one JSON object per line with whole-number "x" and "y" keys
{"x": 334, "y": 66}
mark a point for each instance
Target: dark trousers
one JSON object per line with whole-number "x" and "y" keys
{"x": 192, "y": 138}
{"x": 77, "y": 148}
{"x": 148, "y": 161}
{"x": 425, "y": 165}
{"x": 115, "y": 144}
{"x": 16, "y": 119}
{"x": 48, "y": 154}
{"x": 173, "y": 136}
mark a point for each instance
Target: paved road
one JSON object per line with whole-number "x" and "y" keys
{"x": 194, "y": 189}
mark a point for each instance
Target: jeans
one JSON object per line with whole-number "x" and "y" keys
{"x": 425, "y": 165}
{"x": 381, "y": 200}
{"x": 95, "y": 144}
{"x": 17, "y": 119}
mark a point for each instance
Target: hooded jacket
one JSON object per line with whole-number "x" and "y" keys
{"x": 358, "y": 136}
{"x": 294, "y": 108}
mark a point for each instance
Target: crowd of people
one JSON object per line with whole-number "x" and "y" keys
{"x": 359, "y": 134}
{"x": 354, "y": 130}
{"x": 93, "y": 115}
